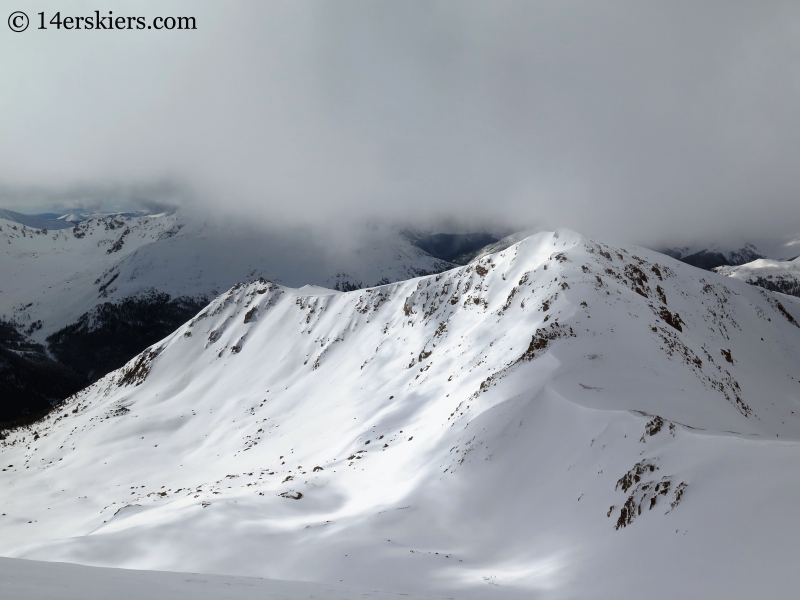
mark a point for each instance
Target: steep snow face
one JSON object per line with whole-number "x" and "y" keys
{"x": 778, "y": 276}
{"x": 50, "y": 278}
{"x": 563, "y": 417}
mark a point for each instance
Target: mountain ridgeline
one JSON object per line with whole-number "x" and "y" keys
{"x": 86, "y": 293}
{"x": 563, "y": 416}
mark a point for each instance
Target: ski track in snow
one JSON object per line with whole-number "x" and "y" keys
{"x": 561, "y": 419}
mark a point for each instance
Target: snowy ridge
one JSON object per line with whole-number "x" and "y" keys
{"x": 778, "y": 276}
{"x": 51, "y": 278}
{"x": 562, "y": 417}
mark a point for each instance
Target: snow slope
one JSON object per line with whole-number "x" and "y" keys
{"x": 563, "y": 419}
{"x": 34, "y": 580}
{"x": 775, "y": 275}
{"x": 57, "y": 276}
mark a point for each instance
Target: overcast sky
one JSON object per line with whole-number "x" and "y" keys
{"x": 635, "y": 120}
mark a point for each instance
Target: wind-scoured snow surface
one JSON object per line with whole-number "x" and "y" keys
{"x": 775, "y": 275}
{"x": 563, "y": 419}
{"x": 56, "y": 276}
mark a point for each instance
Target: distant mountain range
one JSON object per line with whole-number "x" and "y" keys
{"x": 711, "y": 256}
{"x": 747, "y": 263}
{"x": 55, "y": 221}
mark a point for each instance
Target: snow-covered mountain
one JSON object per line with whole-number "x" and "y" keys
{"x": 91, "y": 291}
{"x": 47, "y": 270}
{"x": 775, "y": 275}
{"x": 709, "y": 256}
{"x": 55, "y": 277}
{"x": 562, "y": 419}
{"x": 48, "y": 275}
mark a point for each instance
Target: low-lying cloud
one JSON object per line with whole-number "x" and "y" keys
{"x": 639, "y": 121}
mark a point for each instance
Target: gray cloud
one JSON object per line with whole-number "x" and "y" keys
{"x": 641, "y": 121}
